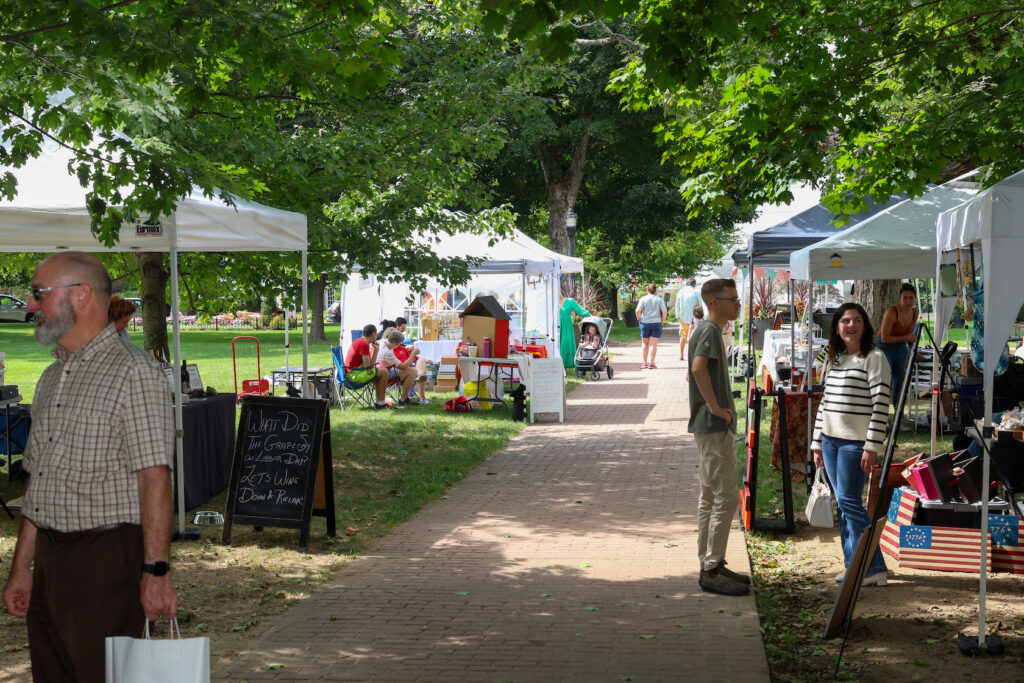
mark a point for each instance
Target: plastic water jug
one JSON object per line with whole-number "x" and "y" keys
{"x": 486, "y": 350}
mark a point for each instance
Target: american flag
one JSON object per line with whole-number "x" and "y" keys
{"x": 1006, "y": 532}
{"x": 941, "y": 548}
{"x": 901, "y": 512}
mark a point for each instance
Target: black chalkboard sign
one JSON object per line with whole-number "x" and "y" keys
{"x": 281, "y": 471}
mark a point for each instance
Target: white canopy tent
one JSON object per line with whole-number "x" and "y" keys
{"x": 49, "y": 214}
{"x": 896, "y": 242}
{"x": 994, "y": 220}
{"x": 513, "y": 264}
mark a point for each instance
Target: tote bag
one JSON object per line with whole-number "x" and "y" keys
{"x": 175, "y": 660}
{"x": 819, "y": 502}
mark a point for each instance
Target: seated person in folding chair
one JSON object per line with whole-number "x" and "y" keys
{"x": 402, "y": 325}
{"x": 363, "y": 354}
{"x": 412, "y": 355}
{"x": 402, "y": 369}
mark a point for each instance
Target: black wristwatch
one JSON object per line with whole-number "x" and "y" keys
{"x": 157, "y": 568}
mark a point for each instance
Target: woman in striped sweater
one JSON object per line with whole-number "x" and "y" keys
{"x": 850, "y": 427}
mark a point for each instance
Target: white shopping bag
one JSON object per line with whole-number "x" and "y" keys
{"x": 175, "y": 660}
{"x": 819, "y": 502}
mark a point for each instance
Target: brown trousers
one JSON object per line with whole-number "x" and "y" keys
{"x": 83, "y": 590}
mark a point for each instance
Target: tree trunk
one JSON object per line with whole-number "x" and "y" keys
{"x": 876, "y": 296}
{"x": 152, "y": 291}
{"x": 316, "y": 309}
{"x": 563, "y": 179}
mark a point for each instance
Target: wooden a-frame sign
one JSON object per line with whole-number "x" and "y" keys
{"x": 281, "y": 474}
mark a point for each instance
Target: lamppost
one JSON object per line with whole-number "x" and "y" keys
{"x": 570, "y": 230}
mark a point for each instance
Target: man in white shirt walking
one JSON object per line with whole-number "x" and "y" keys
{"x": 686, "y": 299}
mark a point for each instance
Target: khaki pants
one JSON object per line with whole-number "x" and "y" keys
{"x": 684, "y": 336}
{"x": 719, "y": 495}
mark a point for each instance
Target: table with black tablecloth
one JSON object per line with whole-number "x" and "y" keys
{"x": 209, "y": 445}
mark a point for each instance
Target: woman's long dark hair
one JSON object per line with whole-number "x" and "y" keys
{"x": 836, "y": 345}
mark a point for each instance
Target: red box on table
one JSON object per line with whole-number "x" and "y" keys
{"x": 485, "y": 317}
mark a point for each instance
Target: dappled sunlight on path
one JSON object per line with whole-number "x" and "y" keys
{"x": 568, "y": 555}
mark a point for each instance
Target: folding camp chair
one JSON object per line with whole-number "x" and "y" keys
{"x": 347, "y": 393}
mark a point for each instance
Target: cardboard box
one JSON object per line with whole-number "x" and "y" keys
{"x": 430, "y": 328}
{"x": 486, "y": 318}
{"x": 967, "y": 368}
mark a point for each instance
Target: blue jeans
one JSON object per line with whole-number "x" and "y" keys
{"x": 896, "y": 353}
{"x": 842, "y": 464}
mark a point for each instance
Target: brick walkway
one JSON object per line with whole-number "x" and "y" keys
{"x": 567, "y": 556}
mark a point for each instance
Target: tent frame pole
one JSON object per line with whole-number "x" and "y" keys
{"x": 179, "y": 430}
{"x": 305, "y": 323}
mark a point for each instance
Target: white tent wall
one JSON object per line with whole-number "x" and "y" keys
{"x": 370, "y": 301}
{"x": 49, "y": 214}
{"x": 994, "y": 220}
{"x": 504, "y": 265}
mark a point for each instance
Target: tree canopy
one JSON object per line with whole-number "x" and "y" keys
{"x": 869, "y": 98}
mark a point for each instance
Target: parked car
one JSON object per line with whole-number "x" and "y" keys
{"x": 14, "y": 310}
{"x": 334, "y": 312}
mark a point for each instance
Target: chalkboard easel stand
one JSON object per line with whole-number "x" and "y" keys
{"x": 282, "y": 471}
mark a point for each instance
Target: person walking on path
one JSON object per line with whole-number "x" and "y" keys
{"x": 687, "y": 299}
{"x": 567, "y": 332}
{"x": 850, "y": 427}
{"x": 651, "y": 311}
{"x": 713, "y": 425}
{"x": 92, "y": 555}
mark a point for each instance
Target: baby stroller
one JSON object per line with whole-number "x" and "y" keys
{"x": 590, "y": 357}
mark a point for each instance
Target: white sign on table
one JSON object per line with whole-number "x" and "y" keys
{"x": 547, "y": 387}
{"x": 194, "y": 381}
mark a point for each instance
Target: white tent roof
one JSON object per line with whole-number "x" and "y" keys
{"x": 515, "y": 253}
{"x": 49, "y": 213}
{"x": 897, "y": 242}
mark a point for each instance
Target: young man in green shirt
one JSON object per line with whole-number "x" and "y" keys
{"x": 713, "y": 425}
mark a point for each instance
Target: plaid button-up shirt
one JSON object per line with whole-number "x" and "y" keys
{"x": 100, "y": 414}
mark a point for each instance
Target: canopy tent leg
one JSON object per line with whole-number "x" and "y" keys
{"x": 305, "y": 324}
{"x": 808, "y": 375}
{"x": 182, "y": 534}
{"x": 286, "y": 330}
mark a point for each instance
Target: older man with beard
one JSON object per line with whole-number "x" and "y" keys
{"x": 93, "y": 548}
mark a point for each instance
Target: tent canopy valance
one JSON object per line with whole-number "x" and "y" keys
{"x": 896, "y": 242}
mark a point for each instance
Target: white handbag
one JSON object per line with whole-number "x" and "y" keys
{"x": 819, "y": 502}
{"x": 175, "y": 660}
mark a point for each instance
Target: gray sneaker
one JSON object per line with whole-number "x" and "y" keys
{"x": 715, "y": 581}
{"x": 741, "y": 578}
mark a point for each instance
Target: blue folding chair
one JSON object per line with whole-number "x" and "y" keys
{"x": 347, "y": 393}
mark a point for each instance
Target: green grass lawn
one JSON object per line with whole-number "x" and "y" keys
{"x": 625, "y": 335}
{"x": 209, "y": 349}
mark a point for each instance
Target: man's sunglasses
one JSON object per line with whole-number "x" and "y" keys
{"x": 37, "y": 292}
